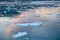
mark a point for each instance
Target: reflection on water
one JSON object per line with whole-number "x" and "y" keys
{"x": 50, "y": 29}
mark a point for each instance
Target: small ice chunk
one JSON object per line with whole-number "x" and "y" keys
{"x": 25, "y": 24}
{"x": 36, "y": 15}
{"x": 20, "y": 34}
{"x": 49, "y": 13}
{"x": 19, "y": 11}
{"x": 35, "y": 24}
{"x": 5, "y": 12}
{"x": 27, "y": 38}
{"x": 25, "y": 7}
{"x": 7, "y": 8}
{"x": 58, "y": 15}
{"x": 30, "y": 24}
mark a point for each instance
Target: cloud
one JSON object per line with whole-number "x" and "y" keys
{"x": 30, "y": 24}
{"x": 20, "y": 34}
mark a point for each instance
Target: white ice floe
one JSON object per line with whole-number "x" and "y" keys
{"x": 49, "y": 13}
{"x": 19, "y": 11}
{"x": 58, "y": 15}
{"x": 30, "y": 24}
{"x": 27, "y": 38}
{"x": 5, "y": 11}
{"x": 20, "y": 34}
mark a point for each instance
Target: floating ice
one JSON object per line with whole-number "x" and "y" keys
{"x": 20, "y": 34}
{"x": 30, "y": 24}
{"x": 25, "y": 7}
{"x": 27, "y": 38}
{"x": 7, "y": 8}
{"x": 5, "y": 11}
{"x": 50, "y": 13}
{"x": 58, "y": 15}
{"x": 19, "y": 11}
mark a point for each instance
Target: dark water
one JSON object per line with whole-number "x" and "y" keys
{"x": 50, "y": 29}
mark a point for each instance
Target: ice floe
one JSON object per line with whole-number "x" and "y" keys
{"x": 30, "y": 24}
{"x": 58, "y": 15}
{"x": 27, "y": 38}
{"x": 19, "y": 34}
{"x": 5, "y": 11}
{"x": 49, "y": 13}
